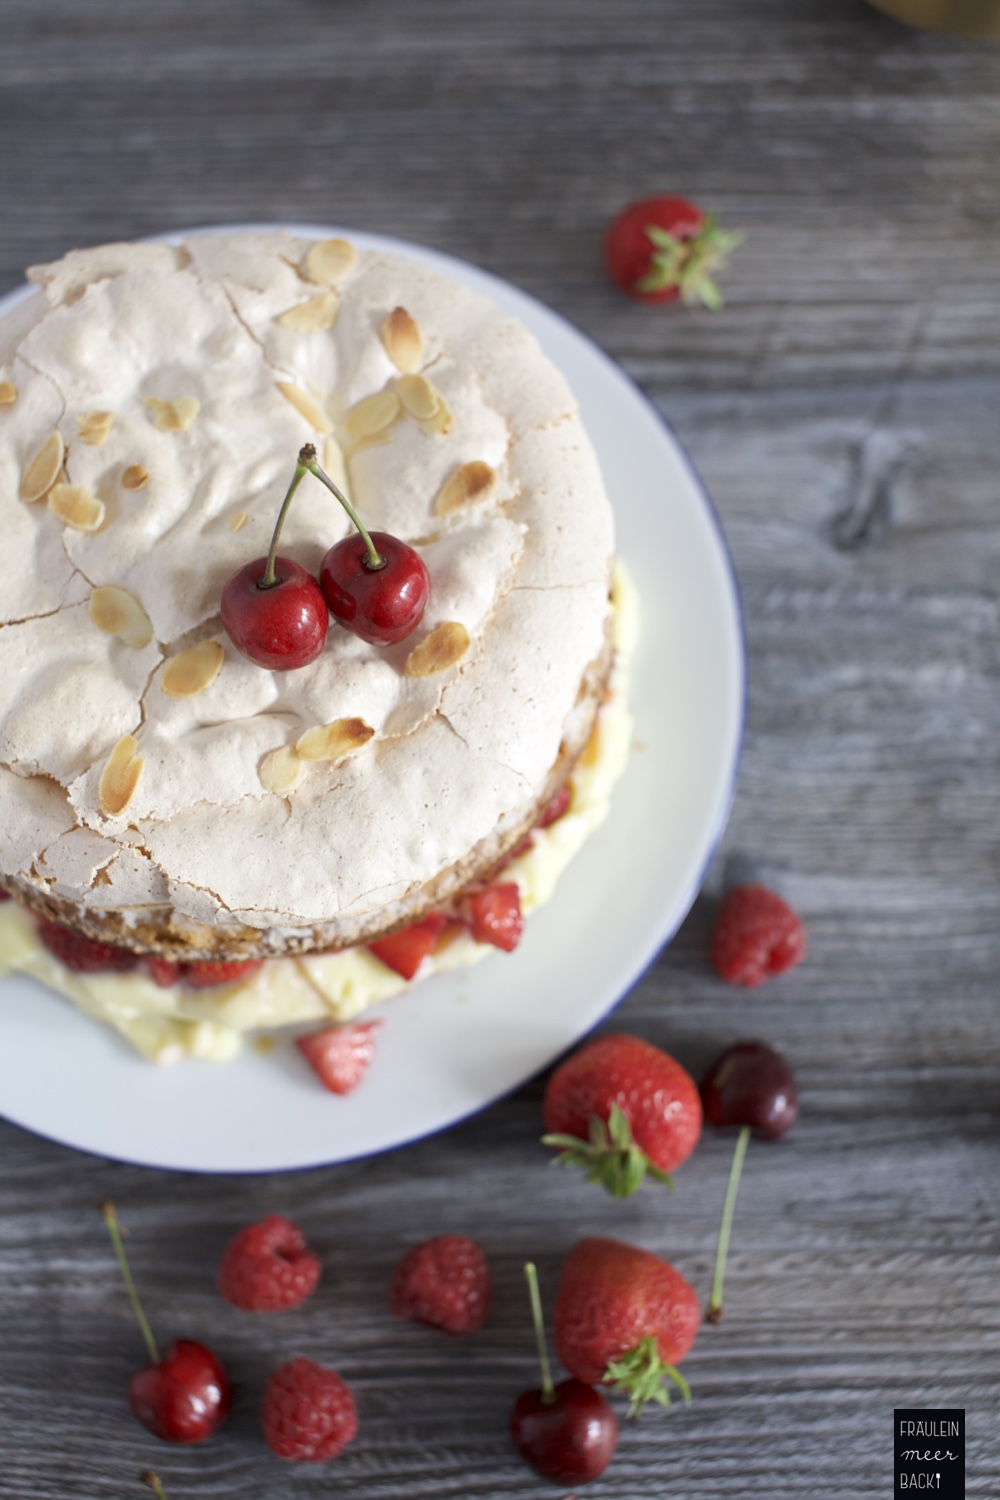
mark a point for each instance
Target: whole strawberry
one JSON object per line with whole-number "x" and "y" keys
{"x": 444, "y": 1282}
{"x": 309, "y": 1413}
{"x": 756, "y": 935}
{"x": 625, "y": 1317}
{"x": 620, "y": 1108}
{"x": 268, "y": 1267}
{"x": 665, "y": 248}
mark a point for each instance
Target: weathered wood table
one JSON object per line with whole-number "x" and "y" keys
{"x": 843, "y": 410}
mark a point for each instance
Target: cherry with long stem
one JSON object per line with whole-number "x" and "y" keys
{"x": 565, "y": 1432}
{"x": 714, "y": 1313}
{"x": 268, "y": 580}
{"x": 308, "y": 464}
{"x": 110, "y": 1215}
{"x": 749, "y": 1085}
{"x": 183, "y": 1395}
{"x": 374, "y": 584}
{"x": 272, "y": 608}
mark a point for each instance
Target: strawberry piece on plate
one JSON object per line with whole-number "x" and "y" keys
{"x": 340, "y": 1055}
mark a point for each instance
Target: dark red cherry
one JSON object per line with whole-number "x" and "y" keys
{"x": 751, "y": 1084}
{"x": 180, "y": 1396}
{"x": 570, "y": 1437}
{"x": 381, "y": 605}
{"x": 281, "y": 626}
{"x": 184, "y": 1397}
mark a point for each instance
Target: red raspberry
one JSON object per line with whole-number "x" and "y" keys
{"x": 756, "y": 934}
{"x": 444, "y": 1282}
{"x": 84, "y": 955}
{"x": 309, "y": 1412}
{"x": 268, "y": 1267}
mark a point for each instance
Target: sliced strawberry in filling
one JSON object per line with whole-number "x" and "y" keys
{"x": 494, "y": 915}
{"x": 556, "y": 809}
{"x": 405, "y": 950}
{"x": 205, "y": 973}
{"x": 84, "y": 955}
{"x": 163, "y": 971}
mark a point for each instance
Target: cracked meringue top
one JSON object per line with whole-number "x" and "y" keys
{"x": 157, "y": 786}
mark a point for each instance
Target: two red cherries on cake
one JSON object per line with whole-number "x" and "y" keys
{"x": 373, "y": 584}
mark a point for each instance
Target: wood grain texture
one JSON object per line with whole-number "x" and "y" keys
{"x": 843, "y": 412}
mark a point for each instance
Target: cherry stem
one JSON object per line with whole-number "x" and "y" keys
{"x": 110, "y": 1216}
{"x": 714, "y": 1314}
{"x": 548, "y": 1389}
{"x": 267, "y": 579}
{"x": 307, "y": 458}
{"x": 153, "y": 1480}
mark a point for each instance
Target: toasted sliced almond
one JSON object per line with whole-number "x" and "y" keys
{"x": 333, "y": 462}
{"x": 238, "y": 520}
{"x": 76, "y": 506}
{"x": 173, "y": 416}
{"x": 418, "y": 396}
{"x": 117, "y": 612}
{"x": 280, "y": 770}
{"x": 440, "y": 422}
{"x": 314, "y": 316}
{"x": 372, "y": 414}
{"x": 120, "y": 776}
{"x": 8, "y": 393}
{"x": 135, "y": 477}
{"x": 307, "y": 406}
{"x": 446, "y": 644}
{"x": 472, "y": 482}
{"x": 332, "y": 741}
{"x": 190, "y": 671}
{"x": 329, "y": 261}
{"x": 94, "y": 427}
{"x": 43, "y": 470}
{"x": 403, "y": 341}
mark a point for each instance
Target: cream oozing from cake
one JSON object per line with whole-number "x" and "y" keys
{"x": 181, "y": 382}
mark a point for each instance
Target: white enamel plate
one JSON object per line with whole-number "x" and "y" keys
{"x": 454, "y": 1044}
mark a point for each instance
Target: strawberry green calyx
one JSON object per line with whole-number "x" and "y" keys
{"x": 689, "y": 264}
{"x": 640, "y": 1375}
{"x": 611, "y": 1156}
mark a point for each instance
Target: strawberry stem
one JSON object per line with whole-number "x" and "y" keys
{"x": 611, "y": 1156}
{"x": 307, "y": 458}
{"x": 153, "y": 1480}
{"x": 531, "y": 1276}
{"x": 714, "y": 1314}
{"x": 688, "y": 264}
{"x": 640, "y": 1374}
{"x": 110, "y": 1216}
{"x": 268, "y": 579}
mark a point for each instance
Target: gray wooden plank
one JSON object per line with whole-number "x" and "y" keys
{"x": 843, "y": 412}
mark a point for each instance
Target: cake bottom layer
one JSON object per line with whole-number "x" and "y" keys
{"x": 169, "y": 1023}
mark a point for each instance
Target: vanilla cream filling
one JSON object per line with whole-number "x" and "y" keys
{"x": 168, "y": 1024}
